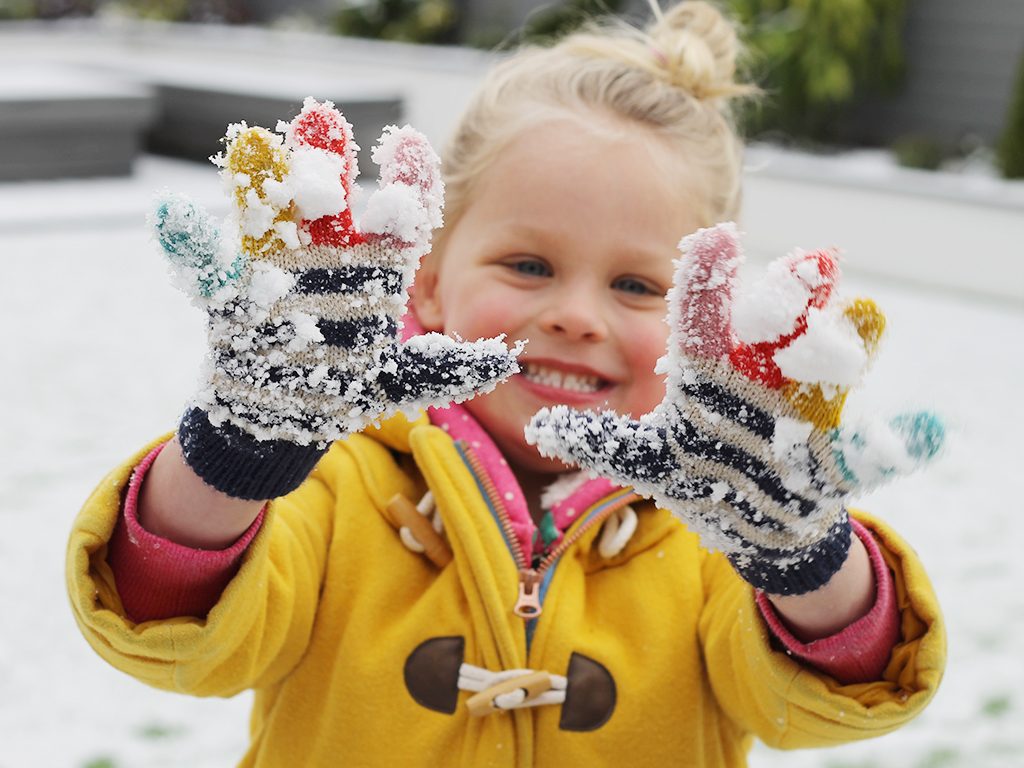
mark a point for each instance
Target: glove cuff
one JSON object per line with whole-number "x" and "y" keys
{"x": 797, "y": 572}
{"x": 239, "y": 465}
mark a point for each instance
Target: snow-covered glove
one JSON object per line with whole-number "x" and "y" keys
{"x": 304, "y": 307}
{"x": 747, "y": 447}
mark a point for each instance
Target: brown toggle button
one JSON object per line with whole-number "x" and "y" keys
{"x": 432, "y": 673}
{"x": 589, "y": 697}
{"x": 534, "y": 684}
{"x": 404, "y": 513}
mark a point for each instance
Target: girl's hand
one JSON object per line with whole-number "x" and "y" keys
{"x": 305, "y": 307}
{"x": 747, "y": 448}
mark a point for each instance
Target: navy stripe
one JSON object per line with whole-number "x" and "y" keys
{"x": 347, "y": 334}
{"x": 720, "y": 400}
{"x": 419, "y": 374}
{"x": 349, "y": 279}
{"x": 639, "y": 460}
{"x": 764, "y": 477}
{"x": 697, "y": 489}
{"x": 362, "y": 332}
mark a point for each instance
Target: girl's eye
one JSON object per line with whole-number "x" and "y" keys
{"x": 531, "y": 267}
{"x": 634, "y": 286}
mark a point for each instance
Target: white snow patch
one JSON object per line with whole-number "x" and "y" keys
{"x": 769, "y": 308}
{"x": 873, "y": 452}
{"x": 790, "y": 446}
{"x": 306, "y": 331}
{"x": 315, "y": 177}
{"x": 268, "y": 284}
{"x": 257, "y": 216}
{"x": 830, "y": 352}
{"x": 396, "y": 210}
{"x": 288, "y": 231}
{"x": 279, "y": 193}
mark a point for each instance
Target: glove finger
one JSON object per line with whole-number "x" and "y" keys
{"x": 774, "y": 311}
{"x": 324, "y": 170}
{"x": 205, "y": 266}
{"x": 825, "y": 362}
{"x": 869, "y": 454}
{"x": 622, "y": 449}
{"x": 436, "y": 370}
{"x": 406, "y": 157}
{"x": 700, "y": 299}
{"x": 255, "y": 165}
{"x": 407, "y": 206}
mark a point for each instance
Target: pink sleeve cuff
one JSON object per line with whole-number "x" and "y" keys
{"x": 157, "y": 578}
{"x": 860, "y": 652}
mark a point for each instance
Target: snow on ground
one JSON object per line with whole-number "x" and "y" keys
{"x": 105, "y": 352}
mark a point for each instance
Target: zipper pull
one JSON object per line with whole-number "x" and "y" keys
{"x": 528, "y": 604}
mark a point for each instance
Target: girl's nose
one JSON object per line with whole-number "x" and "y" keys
{"x": 575, "y": 318}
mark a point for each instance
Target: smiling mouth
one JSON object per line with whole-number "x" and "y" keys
{"x": 572, "y": 382}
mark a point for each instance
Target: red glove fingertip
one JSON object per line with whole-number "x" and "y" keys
{"x": 819, "y": 272}
{"x": 321, "y": 126}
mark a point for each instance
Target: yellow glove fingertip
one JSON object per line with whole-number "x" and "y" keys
{"x": 257, "y": 154}
{"x": 869, "y": 321}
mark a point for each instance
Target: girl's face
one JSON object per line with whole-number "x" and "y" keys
{"x": 568, "y": 242}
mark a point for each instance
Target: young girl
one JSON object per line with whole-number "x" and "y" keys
{"x": 432, "y": 588}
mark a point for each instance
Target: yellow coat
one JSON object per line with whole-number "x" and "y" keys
{"x": 329, "y": 605}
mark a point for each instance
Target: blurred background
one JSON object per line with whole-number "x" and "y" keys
{"x": 891, "y": 128}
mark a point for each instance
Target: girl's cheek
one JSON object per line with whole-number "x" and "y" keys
{"x": 484, "y": 315}
{"x": 649, "y": 387}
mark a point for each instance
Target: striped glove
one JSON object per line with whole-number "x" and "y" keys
{"x": 747, "y": 448}
{"x": 304, "y": 308}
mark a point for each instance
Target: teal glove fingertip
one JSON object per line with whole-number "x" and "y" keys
{"x": 192, "y": 242}
{"x": 869, "y": 455}
{"x": 923, "y": 434}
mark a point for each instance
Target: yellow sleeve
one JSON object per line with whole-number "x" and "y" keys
{"x": 258, "y": 630}
{"x": 789, "y": 705}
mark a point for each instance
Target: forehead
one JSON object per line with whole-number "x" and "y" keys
{"x": 589, "y": 179}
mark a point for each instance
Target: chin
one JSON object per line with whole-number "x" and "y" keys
{"x": 524, "y": 456}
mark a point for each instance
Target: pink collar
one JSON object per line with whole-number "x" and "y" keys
{"x": 459, "y": 423}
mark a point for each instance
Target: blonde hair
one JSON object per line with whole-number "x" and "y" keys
{"x": 676, "y": 78}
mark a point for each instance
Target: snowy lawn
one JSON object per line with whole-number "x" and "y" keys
{"x": 105, "y": 352}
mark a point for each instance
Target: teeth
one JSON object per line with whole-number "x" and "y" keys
{"x": 563, "y": 380}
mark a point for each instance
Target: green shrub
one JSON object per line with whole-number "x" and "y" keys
{"x": 16, "y": 9}
{"x": 918, "y": 151}
{"x": 411, "y": 21}
{"x": 814, "y": 58}
{"x": 1011, "y": 146}
{"x": 152, "y": 10}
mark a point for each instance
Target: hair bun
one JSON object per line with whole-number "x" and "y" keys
{"x": 697, "y": 47}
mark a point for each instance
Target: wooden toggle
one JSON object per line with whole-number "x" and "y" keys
{"x": 533, "y": 684}
{"x": 404, "y": 513}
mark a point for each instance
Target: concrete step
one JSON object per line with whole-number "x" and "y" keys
{"x": 59, "y": 122}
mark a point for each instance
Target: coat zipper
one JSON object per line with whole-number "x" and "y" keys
{"x": 528, "y": 604}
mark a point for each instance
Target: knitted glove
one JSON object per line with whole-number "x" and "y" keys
{"x": 746, "y": 448}
{"x": 304, "y": 308}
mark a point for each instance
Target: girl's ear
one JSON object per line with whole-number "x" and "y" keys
{"x": 426, "y": 299}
